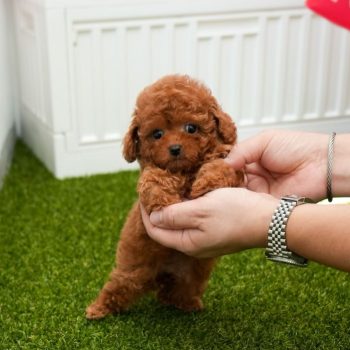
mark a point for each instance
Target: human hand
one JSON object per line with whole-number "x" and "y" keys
{"x": 281, "y": 162}
{"x": 223, "y": 221}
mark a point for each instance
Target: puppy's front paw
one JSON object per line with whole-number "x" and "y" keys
{"x": 213, "y": 175}
{"x": 159, "y": 188}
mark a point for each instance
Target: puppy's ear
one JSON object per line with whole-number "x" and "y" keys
{"x": 225, "y": 126}
{"x": 131, "y": 142}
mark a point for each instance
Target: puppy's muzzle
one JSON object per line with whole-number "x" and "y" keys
{"x": 175, "y": 150}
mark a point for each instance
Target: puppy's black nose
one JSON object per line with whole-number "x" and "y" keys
{"x": 175, "y": 150}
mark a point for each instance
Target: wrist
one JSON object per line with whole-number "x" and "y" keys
{"x": 341, "y": 166}
{"x": 264, "y": 211}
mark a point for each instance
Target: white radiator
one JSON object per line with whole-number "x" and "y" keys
{"x": 82, "y": 64}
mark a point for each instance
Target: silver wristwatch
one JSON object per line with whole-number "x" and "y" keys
{"x": 277, "y": 249}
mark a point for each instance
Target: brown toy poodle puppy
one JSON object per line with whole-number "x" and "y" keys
{"x": 179, "y": 135}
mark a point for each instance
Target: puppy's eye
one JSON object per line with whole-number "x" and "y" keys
{"x": 157, "y": 134}
{"x": 191, "y": 128}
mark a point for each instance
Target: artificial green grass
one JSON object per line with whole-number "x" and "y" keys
{"x": 57, "y": 244}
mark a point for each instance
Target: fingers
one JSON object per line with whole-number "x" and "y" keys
{"x": 247, "y": 151}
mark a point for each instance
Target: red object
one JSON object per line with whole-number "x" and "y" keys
{"x": 337, "y": 11}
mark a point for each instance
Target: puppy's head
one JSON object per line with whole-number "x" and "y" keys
{"x": 176, "y": 123}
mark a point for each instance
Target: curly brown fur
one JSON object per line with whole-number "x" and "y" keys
{"x": 179, "y": 135}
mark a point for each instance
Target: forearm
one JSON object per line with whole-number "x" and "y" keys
{"x": 321, "y": 233}
{"x": 341, "y": 166}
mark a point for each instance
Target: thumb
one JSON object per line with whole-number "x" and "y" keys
{"x": 176, "y": 216}
{"x": 247, "y": 152}
{"x": 177, "y": 239}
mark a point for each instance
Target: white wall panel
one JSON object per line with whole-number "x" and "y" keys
{"x": 255, "y": 64}
{"x": 270, "y": 59}
{"x": 183, "y": 48}
{"x": 293, "y": 63}
{"x": 249, "y": 61}
{"x": 8, "y": 88}
{"x": 87, "y": 108}
{"x": 111, "y": 90}
{"x": 31, "y": 65}
{"x": 264, "y": 68}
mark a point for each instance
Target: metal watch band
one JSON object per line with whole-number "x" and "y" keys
{"x": 277, "y": 249}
